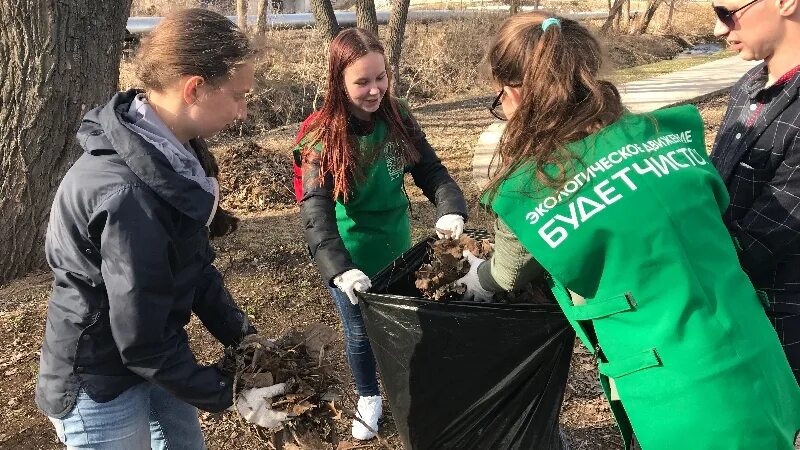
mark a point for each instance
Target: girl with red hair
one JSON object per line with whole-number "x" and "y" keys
{"x": 353, "y": 155}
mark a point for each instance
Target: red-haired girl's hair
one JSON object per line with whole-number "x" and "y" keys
{"x": 341, "y": 156}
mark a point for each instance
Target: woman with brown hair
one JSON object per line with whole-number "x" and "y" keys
{"x": 622, "y": 213}
{"x": 128, "y": 243}
{"x": 354, "y": 153}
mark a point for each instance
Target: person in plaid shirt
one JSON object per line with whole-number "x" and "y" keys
{"x": 757, "y": 153}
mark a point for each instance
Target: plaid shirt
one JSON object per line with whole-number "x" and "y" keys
{"x": 757, "y": 153}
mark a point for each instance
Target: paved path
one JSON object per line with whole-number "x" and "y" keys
{"x": 684, "y": 86}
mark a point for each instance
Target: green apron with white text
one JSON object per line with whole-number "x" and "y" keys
{"x": 645, "y": 271}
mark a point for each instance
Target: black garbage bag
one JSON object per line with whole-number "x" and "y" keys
{"x": 465, "y": 375}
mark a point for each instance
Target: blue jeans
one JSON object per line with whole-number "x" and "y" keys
{"x": 357, "y": 348}
{"x": 143, "y": 417}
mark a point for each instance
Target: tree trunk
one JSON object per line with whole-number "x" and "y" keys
{"x": 61, "y": 58}
{"x": 325, "y": 19}
{"x": 627, "y": 12}
{"x": 648, "y": 16}
{"x": 513, "y": 7}
{"x": 536, "y": 4}
{"x": 668, "y": 25}
{"x": 397, "y": 28}
{"x": 261, "y": 17}
{"x": 366, "y": 17}
{"x": 241, "y": 14}
{"x": 613, "y": 12}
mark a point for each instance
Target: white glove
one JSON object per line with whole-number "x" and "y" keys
{"x": 255, "y": 405}
{"x": 449, "y": 226}
{"x": 351, "y": 281}
{"x": 475, "y": 292}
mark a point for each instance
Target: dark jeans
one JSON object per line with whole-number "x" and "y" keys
{"x": 357, "y": 348}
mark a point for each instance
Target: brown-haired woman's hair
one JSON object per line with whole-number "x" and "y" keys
{"x": 562, "y": 100}
{"x": 341, "y": 156}
{"x": 191, "y": 42}
{"x": 194, "y": 42}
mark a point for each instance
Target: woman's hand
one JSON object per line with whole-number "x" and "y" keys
{"x": 475, "y": 292}
{"x": 450, "y": 226}
{"x": 255, "y": 405}
{"x": 351, "y": 281}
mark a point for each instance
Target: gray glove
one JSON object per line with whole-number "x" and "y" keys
{"x": 475, "y": 292}
{"x": 255, "y": 405}
{"x": 351, "y": 281}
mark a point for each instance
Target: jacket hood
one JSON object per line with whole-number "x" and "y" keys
{"x": 103, "y": 129}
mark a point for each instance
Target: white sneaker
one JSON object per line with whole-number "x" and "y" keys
{"x": 369, "y": 410}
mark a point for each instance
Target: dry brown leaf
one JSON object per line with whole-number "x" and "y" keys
{"x": 318, "y": 337}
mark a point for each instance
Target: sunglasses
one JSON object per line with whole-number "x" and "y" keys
{"x": 726, "y": 16}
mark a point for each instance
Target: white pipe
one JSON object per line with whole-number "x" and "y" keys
{"x": 143, "y": 24}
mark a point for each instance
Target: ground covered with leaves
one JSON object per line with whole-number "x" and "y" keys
{"x": 267, "y": 269}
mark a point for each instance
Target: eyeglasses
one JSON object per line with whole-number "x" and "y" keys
{"x": 726, "y": 16}
{"x": 495, "y": 109}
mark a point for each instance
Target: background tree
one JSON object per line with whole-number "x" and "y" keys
{"x": 241, "y": 14}
{"x": 613, "y": 13}
{"x": 397, "y": 29}
{"x": 261, "y": 16}
{"x": 670, "y": 15}
{"x": 325, "y": 19}
{"x": 60, "y": 58}
{"x": 652, "y": 7}
{"x": 366, "y": 17}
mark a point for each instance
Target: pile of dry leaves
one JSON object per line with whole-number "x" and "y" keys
{"x": 253, "y": 178}
{"x": 299, "y": 360}
{"x": 436, "y": 279}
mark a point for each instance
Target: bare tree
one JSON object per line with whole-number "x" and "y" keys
{"x": 241, "y": 14}
{"x": 670, "y": 15}
{"x": 397, "y": 29}
{"x": 261, "y": 16}
{"x": 652, "y": 7}
{"x": 627, "y": 12}
{"x": 366, "y": 17}
{"x": 613, "y": 12}
{"x": 61, "y": 58}
{"x": 325, "y": 19}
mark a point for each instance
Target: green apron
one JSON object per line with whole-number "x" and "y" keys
{"x": 646, "y": 273}
{"x": 374, "y": 223}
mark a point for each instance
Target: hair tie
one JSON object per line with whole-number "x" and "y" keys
{"x": 550, "y": 21}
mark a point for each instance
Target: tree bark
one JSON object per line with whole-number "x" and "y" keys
{"x": 261, "y": 17}
{"x": 668, "y": 25}
{"x": 648, "y": 16}
{"x": 613, "y": 12}
{"x": 241, "y": 14}
{"x": 627, "y": 13}
{"x": 397, "y": 29}
{"x": 60, "y": 59}
{"x": 366, "y": 17}
{"x": 325, "y": 19}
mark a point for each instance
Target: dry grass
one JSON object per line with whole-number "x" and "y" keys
{"x": 439, "y": 60}
{"x": 164, "y": 7}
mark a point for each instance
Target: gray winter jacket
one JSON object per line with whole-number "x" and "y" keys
{"x": 128, "y": 245}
